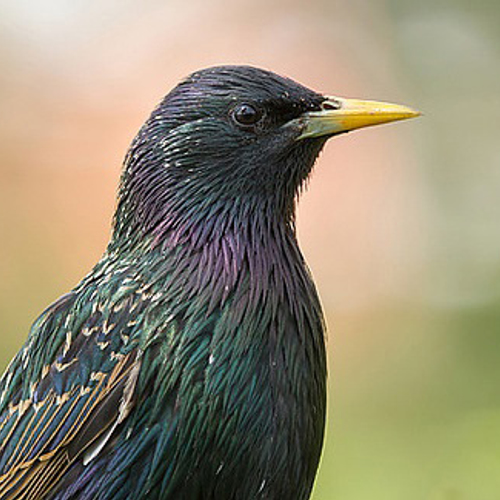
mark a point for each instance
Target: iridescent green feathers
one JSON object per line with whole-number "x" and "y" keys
{"x": 190, "y": 363}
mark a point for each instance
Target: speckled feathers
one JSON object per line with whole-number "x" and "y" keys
{"x": 190, "y": 363}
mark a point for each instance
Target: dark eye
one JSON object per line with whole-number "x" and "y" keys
{"x": 247, "y": 114}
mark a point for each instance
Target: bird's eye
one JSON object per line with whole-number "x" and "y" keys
{"x": 247, "y": 115}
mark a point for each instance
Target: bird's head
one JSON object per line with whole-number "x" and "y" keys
{"x": 233, "y": 136}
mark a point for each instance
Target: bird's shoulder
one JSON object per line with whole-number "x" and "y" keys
{"x": 73, "y": 380}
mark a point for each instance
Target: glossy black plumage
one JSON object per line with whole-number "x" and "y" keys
{"x": 190, "y": 363}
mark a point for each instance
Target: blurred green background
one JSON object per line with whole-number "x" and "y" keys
{"x": 400, "y": 223}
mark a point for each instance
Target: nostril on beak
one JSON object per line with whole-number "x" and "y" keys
{"x": 331, "y": 105}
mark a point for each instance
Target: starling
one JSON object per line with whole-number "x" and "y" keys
{"x": 190, "y": 363}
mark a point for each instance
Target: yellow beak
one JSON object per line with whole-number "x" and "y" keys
{"x": 341, "y": 115}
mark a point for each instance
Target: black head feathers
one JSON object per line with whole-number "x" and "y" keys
{"x": 221, "y": 136}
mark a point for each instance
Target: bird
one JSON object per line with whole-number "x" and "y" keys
{"x": 190, "y": 363}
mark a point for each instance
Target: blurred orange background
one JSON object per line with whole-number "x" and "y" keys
{"x": 399, "y": 223}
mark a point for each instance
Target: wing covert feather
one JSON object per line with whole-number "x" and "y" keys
{"x": 50, "y": 414}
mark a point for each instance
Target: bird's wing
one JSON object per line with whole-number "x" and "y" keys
{"x": 54, "y": 413}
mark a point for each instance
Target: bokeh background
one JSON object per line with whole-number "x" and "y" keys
{"x": 400, "y": 223}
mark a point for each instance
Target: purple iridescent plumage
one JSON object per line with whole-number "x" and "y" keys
{"x": 190, "y": 363}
